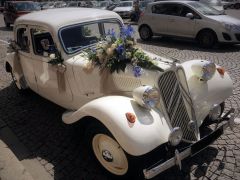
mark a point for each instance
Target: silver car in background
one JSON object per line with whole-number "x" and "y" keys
{"x": 189, "y": 19}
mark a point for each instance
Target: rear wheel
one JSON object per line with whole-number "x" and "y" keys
{"x": 21, "y": 86}
{"x": 207, "y": 39}
{"x": 145, "y": 33}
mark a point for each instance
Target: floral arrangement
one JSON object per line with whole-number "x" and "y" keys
{"x": 115, "y": 53}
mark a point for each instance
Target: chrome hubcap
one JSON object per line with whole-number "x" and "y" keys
{"x": 110, "y": 154}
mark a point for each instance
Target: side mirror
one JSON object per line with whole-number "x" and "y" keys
{"x": 190, "y": 16}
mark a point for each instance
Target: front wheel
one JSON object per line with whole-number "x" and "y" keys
{"x": 207, "y": 39}
{"x": 108, "y": 152}
{"x": 145, "y": 33}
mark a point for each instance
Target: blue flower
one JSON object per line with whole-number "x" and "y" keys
{"x": 127, "y": 32}
{"x": 120, "y": 49}
{"x": 137, "y": 70}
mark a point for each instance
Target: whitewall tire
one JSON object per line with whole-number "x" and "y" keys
{"x": 110, "y": 154}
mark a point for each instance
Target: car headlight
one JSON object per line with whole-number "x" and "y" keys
{"x": 215, "y": 112}
{"x": 204, "y": 70}
{"x": 175, "y": 136}
{"x": 146, "y": 96}
{"x": 231, "y": 27}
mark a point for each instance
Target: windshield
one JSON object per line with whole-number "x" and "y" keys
{"x": 77, "y": 37}
{"x": 125, "y": 4}
{"x": 27, "y": 6}
{"x": 205, "y": 9}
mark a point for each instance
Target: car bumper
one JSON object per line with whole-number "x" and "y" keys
{"x": 192, "y": 149}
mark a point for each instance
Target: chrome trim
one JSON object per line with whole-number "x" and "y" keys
{"x": 178, "y": 157}
{"x": 174, "y": 98}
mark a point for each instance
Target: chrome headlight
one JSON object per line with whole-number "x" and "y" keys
{"x": 146, "y": 96}
{"x": 215, "y": 112}
{"x": 204, "y": 70}
{"x": 175, "y": 136}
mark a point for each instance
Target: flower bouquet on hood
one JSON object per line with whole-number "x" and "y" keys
{"x": 115, "y": 53}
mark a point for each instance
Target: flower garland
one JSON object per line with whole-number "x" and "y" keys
{"x": 116, "y": 53}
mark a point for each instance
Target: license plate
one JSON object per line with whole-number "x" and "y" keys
{"x": 206, "y": 141}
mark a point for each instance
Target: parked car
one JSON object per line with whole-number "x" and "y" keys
{"x": 48, "y": 5}
{"x": 14, "y": 9}
{"x": 231, "y": 4}
{"x": 60, "y": 4}
{"x": 189, "y": 19}
{"x": 104, "y": 5}
{"x": 134, "y": 106}
{"x": 124, "y": 8}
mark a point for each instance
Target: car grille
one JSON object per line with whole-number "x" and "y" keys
{"x": 174, "y": 103}
{"x": 237, "y": 36}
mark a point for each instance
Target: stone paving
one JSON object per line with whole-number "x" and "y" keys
{"x": 59, "y": 147}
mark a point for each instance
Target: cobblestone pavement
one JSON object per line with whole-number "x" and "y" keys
{"x": 59, "y": 147}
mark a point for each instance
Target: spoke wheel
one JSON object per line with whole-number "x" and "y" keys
{"x": 145, "y": 33}
{"x": 110, "y": 154}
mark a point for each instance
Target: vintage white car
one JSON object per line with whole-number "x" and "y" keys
{"x": 139, "y": 118}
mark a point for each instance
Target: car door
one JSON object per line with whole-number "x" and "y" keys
{"x": 26, "y": 61}
{"x": 179, "y": 24}
{"x": 51, "y": 84}
{"x": 158, "y": 19}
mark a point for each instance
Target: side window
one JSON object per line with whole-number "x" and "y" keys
{"x": 42, "y": 41}
{"x": 22, "y": 39}
{"x": 167, "y": 9}
{"x": 159, "y": 9}
{"x": 186, "y": 10}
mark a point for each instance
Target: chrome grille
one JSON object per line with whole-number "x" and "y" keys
{"x": 174, "y": 103}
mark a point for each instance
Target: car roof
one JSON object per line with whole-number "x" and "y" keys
{"x": 57, "y": 18}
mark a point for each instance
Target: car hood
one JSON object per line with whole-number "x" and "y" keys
{"x": 117, "y": 9}
{"x": 225, "y": 19}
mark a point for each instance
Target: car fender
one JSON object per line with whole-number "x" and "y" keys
{"x": 205, "y": 94}
{"x": 148, "y": 132}
{"x": 12, "y": 59}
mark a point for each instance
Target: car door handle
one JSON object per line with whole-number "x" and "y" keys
{"x": 172, "y": 20}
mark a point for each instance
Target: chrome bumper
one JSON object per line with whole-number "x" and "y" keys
{"x": 191, "y": 150}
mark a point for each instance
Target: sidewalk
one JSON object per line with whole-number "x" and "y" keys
{"x": 15, "y": 160}
{"x": 10, "y": 167}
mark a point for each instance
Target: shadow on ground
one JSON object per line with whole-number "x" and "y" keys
{"x": 37, "y": 123}
{"x": 182, "y": 44}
